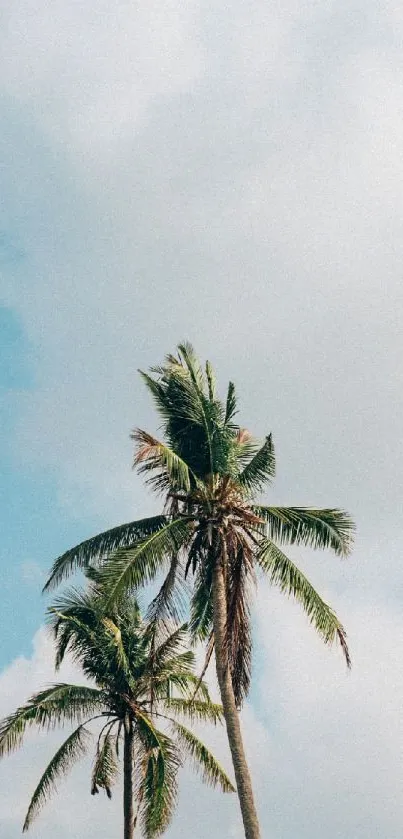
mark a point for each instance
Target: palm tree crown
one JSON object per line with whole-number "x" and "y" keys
{"x": 143, "y": 689}
{"x": 210, "y": 471}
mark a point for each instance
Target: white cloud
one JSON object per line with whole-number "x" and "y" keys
{"x": 97, "y": 72}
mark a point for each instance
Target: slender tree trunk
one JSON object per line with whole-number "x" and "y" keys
{"x": 128, "y": 781}
{"x": 241, "y": 769}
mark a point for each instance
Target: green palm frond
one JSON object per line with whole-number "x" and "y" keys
{"x": 201, "y": 605}
{"x": 194, "y": 423}
{"x": 152, "y": 456}
{"x": 283, "y": 573}
{"x": 57, "y": 705}
{"x": 130, "y": 568}
{"x": 105, "y": 768}
{"x": 186, "y": 684}
{"x": 188, "y": 356}
{"x": 194, "y": 710}
{"x": 311, "y": 527}
{"x": 101, "y": 546}
{"x": 230, "y": 405}
{"x": 157, "y": 785}
{"x": 71, "y": 634}
{"x": 169, "y": 604}
{"x": 203, "y": 760}
{"x": 72, "y": 749}
{"x": 170, "y": 649}
{"x": 211, "y": 381}
{"x": 122, "y": 660}
{"x": 260, "y": 469}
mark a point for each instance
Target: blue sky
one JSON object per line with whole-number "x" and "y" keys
{"x": 232, "y": 176}
{"x": 34, "y": 525}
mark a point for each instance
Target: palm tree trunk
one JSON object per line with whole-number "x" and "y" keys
{"x": 128, "y": 781}
{"x": 231, "y": 716}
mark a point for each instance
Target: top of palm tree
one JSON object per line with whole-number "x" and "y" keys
{"x": 210, "y": 471}
{"x": 137, "y": 675}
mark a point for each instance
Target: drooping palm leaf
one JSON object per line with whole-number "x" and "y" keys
{"x": 211, "y": 771}
{"x": 105, "y": 769}
{"x": 169, "y": 604}
{"x": 57, "y": 705}
{"x": 240, "y": 579}
{"x": 72, "y": 749}
{"x": 157, "y": 786}
{"x": 283, "y": 573}
{"x": 201, "y": 607}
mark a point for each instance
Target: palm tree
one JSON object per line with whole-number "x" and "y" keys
{"x": 143, "y": 689}
{"x": 210, "y": 472}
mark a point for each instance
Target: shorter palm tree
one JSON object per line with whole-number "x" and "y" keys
{"x": 144, "y": 688}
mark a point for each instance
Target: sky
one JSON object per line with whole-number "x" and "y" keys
{"x": 232, "y": 176}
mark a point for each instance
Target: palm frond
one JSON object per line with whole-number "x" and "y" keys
{"x": 193, "y": 366}
{"x": 130, "y": 568}
{"x": 260, "y": 469}
{"x": 57, "y": 705}
{"x": 194, "y": 710}
{"x": 211, "y": 381}
{"x": 72, "y": 749}
{"x": 101, "y": 546}
{"x": 201, "y": 606}
{"x": 185, "y": 683}
{"x": 238, "y": 639}
{"x": 170, "y": 650}
{"x": 105, "y": 769}
{"x": 157, "y": 783}
{"x": 152, "y": 456}
{"x": 121, "y": 656}
{"x": 283, "y": 573}
{"x": 314, "y": 528}
{"x": 169, "y": 604}
{"x": 203, "y": 760}
{"x": 71, "y": 634}
{"x": 231, "y": 404}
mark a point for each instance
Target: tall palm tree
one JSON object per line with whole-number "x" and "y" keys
{"x": 210, "y": 472}
{"x": 143, "y": 689}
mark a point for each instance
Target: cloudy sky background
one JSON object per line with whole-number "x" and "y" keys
{"x": 232, "y": 176}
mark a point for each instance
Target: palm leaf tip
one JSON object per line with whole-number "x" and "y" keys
{"x": 105, "y": 767}
{"x": 261, "y": 467}
{"x": 204, "y": 761}
{"x": 99, "y": 547}
{"x": 342, "y": 638}
{"x": 283, "y": 573}
{"x": 315, "y": 528}
{"x": 72, "y": 749}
